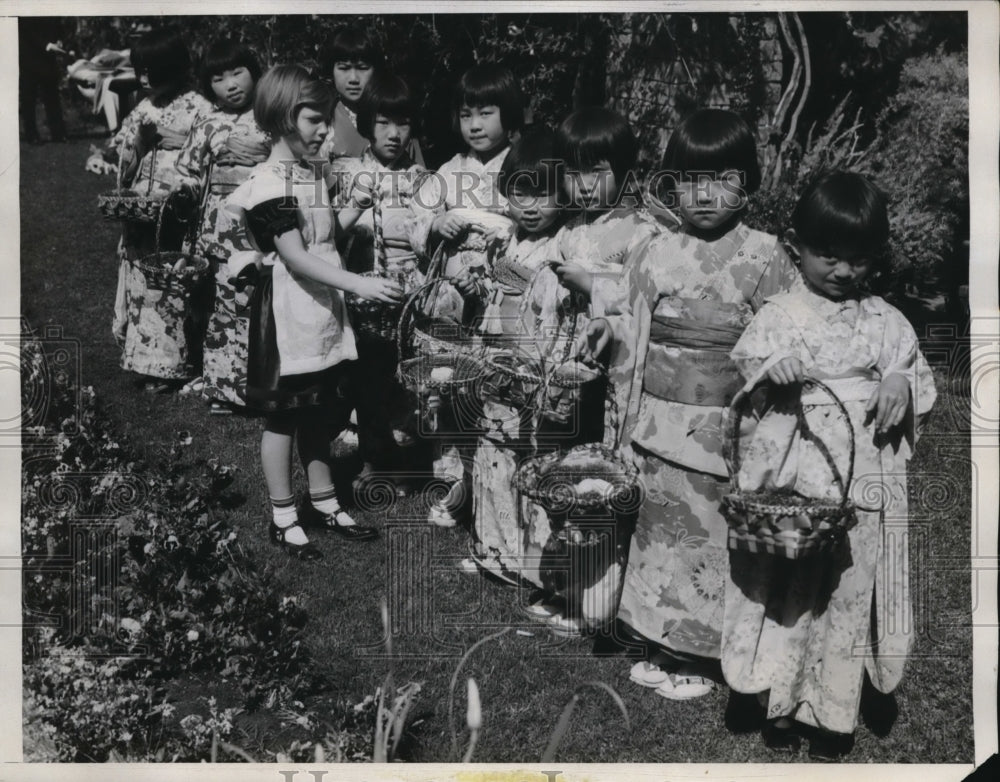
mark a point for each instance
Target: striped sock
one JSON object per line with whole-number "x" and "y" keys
{"x": 325, "y": 501}
{"x": 285, "y": 516}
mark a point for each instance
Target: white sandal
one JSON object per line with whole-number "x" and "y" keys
{"x": 685, "y": 687}
{"x": 647, "y": 674}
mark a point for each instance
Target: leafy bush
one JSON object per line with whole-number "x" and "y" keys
{"x": 922, "y": 160}
{"x": 115, "y": 609}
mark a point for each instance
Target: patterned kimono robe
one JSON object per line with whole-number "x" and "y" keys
{"x": 219, "y": 155}
{"x": 690, "y": 301}
{"x": 149, "y": 324}
{"x": 396, "y": 186}
{"x": 806, "y": 630}
{"x": 508, "y": 544}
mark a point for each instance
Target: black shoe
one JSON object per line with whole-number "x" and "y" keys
{"x": 328, "y": 521}
{"x": 781, "y": 738}
{"x": 307, "y": 552}
{"x": 830, "y": 747}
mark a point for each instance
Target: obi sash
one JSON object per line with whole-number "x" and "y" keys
{"x": 688, "y": 362}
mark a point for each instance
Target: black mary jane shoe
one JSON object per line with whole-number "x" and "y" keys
{"x": 781, "y": 738}
{"x": 307, "y": 552}
{"x": 828, "y": 747}
{"x": 328, "y": 521}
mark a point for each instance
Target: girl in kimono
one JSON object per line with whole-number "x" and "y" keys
{"x": 598, "y": 151}
{"x": 352, "y": 57}
{"x": 690, "y": 295}
{"x": 301, "y": 344}
{"x": 218, "y": 156}
{"x": 387, "y": 117}
{"x": 148, "y": 144}
{"x": 529, "y": 180}
{"x": 803, "y": 633}
{"x": 461, "y": 207}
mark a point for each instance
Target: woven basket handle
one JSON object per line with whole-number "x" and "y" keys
{"x": 406, "y": 315}
{"x": 736, "y": 417}
{"x": 380, "y": 264}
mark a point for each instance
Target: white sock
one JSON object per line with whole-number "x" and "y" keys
{"x": 287, "y": 519}
{"x": 325, "y": 501}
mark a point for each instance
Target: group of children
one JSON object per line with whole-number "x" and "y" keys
{"x": 303, "y": 192}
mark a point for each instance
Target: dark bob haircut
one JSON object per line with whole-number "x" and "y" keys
{"x": 390, "y": 96}
{"x": 224, "y": 55}
{"x": 350, "y": 43}
{"x": 491, "y": 85}
{"x": 713, "y": 141}
{"x": 843, "y": 215}
{"x": 164, "y": 57}
{"x": 531, "y": 166}
{"x": 282, "y": 92}
{"x": 590, "y": 135}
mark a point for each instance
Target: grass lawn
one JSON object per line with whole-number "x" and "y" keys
{"x": 68, "y": 275}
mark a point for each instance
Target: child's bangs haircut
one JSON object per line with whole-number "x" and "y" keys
{"x": 282, "y": 92}
{"x": 163, "y": 56}
{"x": 226, "y": 55}
{"x": 350, "y": 43}
{"x": 532, "y": 165}
{"x": 390, "y": 96}
{"x": 843, "y": 215}
{"x": 591, "y": 135}
{"x": 491, "y": 85}
{"x": 711, "y": 142}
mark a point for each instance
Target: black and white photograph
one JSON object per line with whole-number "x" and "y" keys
{"x": 512, "y": 383}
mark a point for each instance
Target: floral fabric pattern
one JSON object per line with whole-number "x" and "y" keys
{"x": 219, "y": 155}
{"x": 686, "y": 296}
{"x": 144, "y": 335}
{"x": 805, "y": 630}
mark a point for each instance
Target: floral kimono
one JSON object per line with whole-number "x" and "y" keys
{"x": 508, "y": 546}
{"x": 396, "y": 186}
{"x": 673, "y": 378}
{"x": 219, "y": 155}
{"x": 806, "y": 630}
{"x": 149, "y": 323}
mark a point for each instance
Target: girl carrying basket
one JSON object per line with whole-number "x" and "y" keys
{"x": 802, "y": 633}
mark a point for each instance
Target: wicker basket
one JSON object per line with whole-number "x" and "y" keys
{"x": 445, "y": 379}
{"x": 512, "y": 380}
{"x": 158, "y": 268}
{"x": 783, "y": 523}
{"x": 514, "y": 275}
{"x": 419, "y": 332}
{"x": 131, "y": 205}
{"x": 586, "y": 479}
{"x": 373, "y": 320}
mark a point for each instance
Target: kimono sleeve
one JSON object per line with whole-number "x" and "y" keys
{"x": 770, "y": 337}
{"x": 900, "y": 354}
{"x": 194, "y": 157}
{"x": 426, "y": 204}
{"x": 637, "y": 286}
{"x": 779, "y": 275}
{"x": 341, "y": 175}
{"x": 610, "y": 292}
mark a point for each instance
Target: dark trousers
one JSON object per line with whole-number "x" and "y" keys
{"x": 42, "y": 84}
